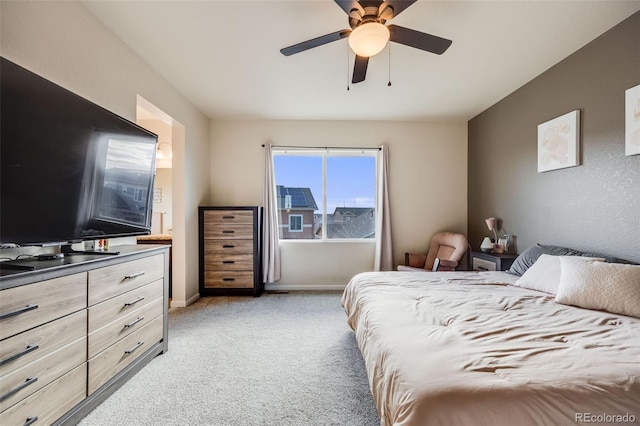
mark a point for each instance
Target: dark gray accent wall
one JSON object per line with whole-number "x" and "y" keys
{"x": 594, "y": 206}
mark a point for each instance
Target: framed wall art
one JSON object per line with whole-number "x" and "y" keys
{"x": 632, "y": 121}
{"x": 559, "y": 142}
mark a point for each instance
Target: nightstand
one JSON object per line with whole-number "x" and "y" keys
{"x": 491, "y": 261}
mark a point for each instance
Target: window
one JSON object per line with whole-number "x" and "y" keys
{"x": 295, "y": 223}
{"x": 325, "y": 194}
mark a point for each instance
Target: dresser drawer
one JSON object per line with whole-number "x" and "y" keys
{"x": 114, "y": 280}
{"x": 111, "y": 361}
{"x": 228, "y": 217}
{"x": 32, "y": 377}
{"x": 25, "y": 348}
{"x": 49, "y": 403}
{"x": 229, "y": 232}
{"x": 214, "y": 247}
{"x": 228, "y": 279}
{"x": 483, "y": 265}
{"x": 122, "y": 305}
{"x": 124, "y": 325}
{"x": 28, "y": 306}
{"x": 229, "y": 262}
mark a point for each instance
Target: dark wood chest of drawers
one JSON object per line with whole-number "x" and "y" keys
{"x": 230, "y": 250}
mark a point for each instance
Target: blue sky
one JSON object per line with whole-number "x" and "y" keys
{"x": 350, "y": 179}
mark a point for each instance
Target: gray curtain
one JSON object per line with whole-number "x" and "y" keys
{"x": 384, "y": 253}
{"x": 270, "y": 243}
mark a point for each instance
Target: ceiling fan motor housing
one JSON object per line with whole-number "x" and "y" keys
{"x": 372, "y": 11}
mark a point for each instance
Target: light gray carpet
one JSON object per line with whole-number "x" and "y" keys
{"x": 279, "y": 359}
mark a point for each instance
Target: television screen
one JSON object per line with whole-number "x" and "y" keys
{"x": 69, "y": 169}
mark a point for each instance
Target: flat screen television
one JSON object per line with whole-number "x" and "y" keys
{"x": 70, "y": 170}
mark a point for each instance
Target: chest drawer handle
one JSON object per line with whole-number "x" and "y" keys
{"x": 19, "y": 311}
{"x": 228, "y": 246}
{"x": 132, "y": 350}
{"x": 139, "y": 299}
{"x": 30, "y": 420}
{"x": 228, "y": 261}
{"x": 30, "y": 348}
{"x": 131, "y": 324}
{"x": 228, "y": 217}
{"x": 132, "y": 276}
{"x": 228, "y": 231}
{"x": 30, "y": 380}
{"x": 228, "y": 279}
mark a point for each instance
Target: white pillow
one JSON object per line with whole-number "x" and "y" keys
{"x": 613, "y": 287}
{"x": 544, "y": 274}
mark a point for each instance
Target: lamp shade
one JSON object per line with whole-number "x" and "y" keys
{"x": 491, "y": 223}
{"x": 369, "y": 39}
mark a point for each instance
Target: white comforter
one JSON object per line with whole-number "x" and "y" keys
{"x": 465, "y": 348}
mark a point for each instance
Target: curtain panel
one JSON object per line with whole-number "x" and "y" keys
{"x": 270, "y": 242}
{"x": 384, "y": 254}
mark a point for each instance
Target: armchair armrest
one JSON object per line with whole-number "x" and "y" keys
{"x": 415, "y": 260}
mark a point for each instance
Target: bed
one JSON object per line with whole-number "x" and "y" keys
{"x": 474, "y": 348}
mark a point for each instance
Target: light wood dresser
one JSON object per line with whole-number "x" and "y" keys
{"x": 75, "y": 329}
{"x": 230, "y": 250}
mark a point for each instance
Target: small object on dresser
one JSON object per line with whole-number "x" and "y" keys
{"x": 486, "y": 245}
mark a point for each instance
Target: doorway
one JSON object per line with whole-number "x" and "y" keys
{"x": 155, "y": 120}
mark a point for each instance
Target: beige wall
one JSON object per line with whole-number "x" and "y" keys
{"x": 428, "y": 179}
{"x": 64, "y": 43}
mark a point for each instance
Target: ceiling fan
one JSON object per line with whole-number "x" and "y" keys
{"x": 368, "y": 34}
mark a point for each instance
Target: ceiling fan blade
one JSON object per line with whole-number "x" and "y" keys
{"x": 399, "y": 5}
{"x": 348, "y": 5}
{"x": 419, "y": 40}
{"x": 315, "y": 42}
{"x": 360, "y": 69}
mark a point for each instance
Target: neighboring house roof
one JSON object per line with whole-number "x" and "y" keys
{"x": 341, "y": 212}
{"x": 301, "y": 198}
{"x": 362, "y": 226}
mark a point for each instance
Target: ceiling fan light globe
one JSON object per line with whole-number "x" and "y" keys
{"x": 369, "y": 39}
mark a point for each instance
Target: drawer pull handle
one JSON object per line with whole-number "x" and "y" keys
{"x": 19, "y": 311}
{"x": 228, "y": 246}
{"x": 228, "y": 217}
{"x": 228, "y": 279}
{"x": 228, "y": 261}
{"x": 131, "y": 324}
{"x": 132, "y": 350}
{"x": 30, "y": 420}
{"x": 30, "y": 380}
{"x": 132, "y": 276}
{"x": 30, "y": 348}
{"x": 139, "y": 299}
{"x": 482, "y": 268}
{"x": 228, "y": 231}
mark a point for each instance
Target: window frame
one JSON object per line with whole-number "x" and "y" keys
{"x": 324, "y": 154}
{"x": 301, "y": 222}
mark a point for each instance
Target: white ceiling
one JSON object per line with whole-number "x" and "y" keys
{"x": 224, "y": 55}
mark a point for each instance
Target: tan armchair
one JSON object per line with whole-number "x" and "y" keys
{"x": 446, "y": 251}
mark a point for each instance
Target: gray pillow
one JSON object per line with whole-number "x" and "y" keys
{"x": 528, "y": 257}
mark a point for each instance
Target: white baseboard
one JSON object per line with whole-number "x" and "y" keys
{"x": 183, "y": 304}
{"x": 293, "y": 287}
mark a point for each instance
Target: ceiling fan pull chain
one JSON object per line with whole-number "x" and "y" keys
{"x": 389, "y": 83}
{"x": 347, "y": 44}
